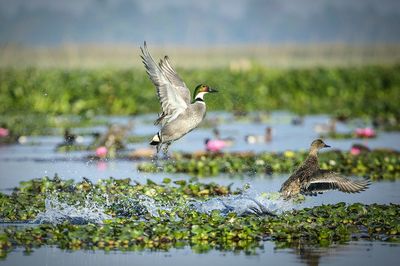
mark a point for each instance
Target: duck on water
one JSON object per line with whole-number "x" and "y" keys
{"x": 309, "y": 179}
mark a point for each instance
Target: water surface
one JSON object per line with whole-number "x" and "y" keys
{"x": 354, "y": 253}
{"x": 39, "y": 158}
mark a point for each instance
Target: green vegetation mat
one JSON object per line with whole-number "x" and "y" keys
{"x": 377, "y": 164}
{"x": 180, "y": 225}
{"x": 354, "y": 91}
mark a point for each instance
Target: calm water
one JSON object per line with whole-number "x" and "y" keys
{"x": 24, "y": 162}
{"x": 354, "y": 253}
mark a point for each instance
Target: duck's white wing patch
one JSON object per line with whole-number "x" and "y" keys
{"x": 171, "y": 100}
{"x": 325, "y": 180}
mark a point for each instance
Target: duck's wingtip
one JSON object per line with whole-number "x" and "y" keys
{"x": 367, "y": 182}
{"x": 144, "y": 48}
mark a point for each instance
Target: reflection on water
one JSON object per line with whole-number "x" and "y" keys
{"x": 353, "y": 253}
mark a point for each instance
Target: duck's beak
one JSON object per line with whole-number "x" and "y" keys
{"x": 327, "y": 146}
{"x": 212, "y": 90}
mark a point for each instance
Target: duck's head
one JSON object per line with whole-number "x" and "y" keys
{"x": 200, "y": 91}
{"x": 316, "y": 145}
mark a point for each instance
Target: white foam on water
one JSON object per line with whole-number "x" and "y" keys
{"x": 57, "y": 212}
{"x": 250, "y": 202}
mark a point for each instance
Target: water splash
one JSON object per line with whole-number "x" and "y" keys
{"x": 139, "y": 206}
{"x": 249, "y": 202}
{"x": 57, "y": 212}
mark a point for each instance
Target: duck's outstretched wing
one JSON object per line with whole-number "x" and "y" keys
{"x": 325, "y": 180}
{"x": 175, "y": 79}
{"x": 169, "y": 95}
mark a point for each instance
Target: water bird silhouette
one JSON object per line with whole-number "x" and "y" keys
{"x": 253, "y": 139}
{"x": 309, "y": 179}
{"x": 326, "y": 128}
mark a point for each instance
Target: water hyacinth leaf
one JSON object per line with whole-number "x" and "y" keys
{"x": 370, "y": 164}
{"x": 170, "y": 218}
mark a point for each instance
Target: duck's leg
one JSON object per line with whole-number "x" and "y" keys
{"x": 155, "y": 159}
{"x": 158, "y": 147}
{"x": 165, "y": 150}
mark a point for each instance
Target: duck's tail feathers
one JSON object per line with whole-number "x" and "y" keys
{"x": 156, "y": 140}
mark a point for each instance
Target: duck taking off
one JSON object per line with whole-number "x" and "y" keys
{"x": 179, "y": 114}
{"x": 309, "y": 179}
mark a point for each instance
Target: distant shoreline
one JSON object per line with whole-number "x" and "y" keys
{"x": 238, "y": 56}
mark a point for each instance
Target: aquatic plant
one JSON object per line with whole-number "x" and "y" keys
{"x": 137, "y": 228}
{"x": 338, "y": 135}
{"x": 28, "y": 124}
{"x": 29, "y": 198}
{"x": 377, "y": 164}
{"x": 346, "y": 92}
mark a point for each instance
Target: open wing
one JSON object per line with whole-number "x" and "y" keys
{"x": 174, "y": 78}
{"x": 325, "y": 180}
{"x": 171, "y": 100}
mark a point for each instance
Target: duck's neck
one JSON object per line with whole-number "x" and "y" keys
{"x": 313, "y": 152}
{"x": 312, "y": 161}
{"x": 200, "y": 97}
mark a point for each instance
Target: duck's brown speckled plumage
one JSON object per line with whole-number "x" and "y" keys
{"x": 309, "y": 179}
{"x": 292, "y": 185}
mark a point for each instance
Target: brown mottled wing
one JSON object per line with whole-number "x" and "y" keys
{"x": 172, "y": 103}
{"x": 325, "y": 180}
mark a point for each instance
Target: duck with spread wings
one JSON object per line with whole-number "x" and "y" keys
{"x": 180, "y": 114}
{"x": 309, "y": 179}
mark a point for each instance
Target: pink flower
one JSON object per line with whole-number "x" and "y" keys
{"x": 359, "y": 132}
{"x": 369, "y": 132}
{"x": 215, "y": 145}
{"x": 101, "y": 152}
{"x": 365, "y": 132}
{"x": 3, "y": 132}
{"x": 355, "y": 151}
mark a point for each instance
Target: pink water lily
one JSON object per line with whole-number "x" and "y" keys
{"x": 355, "y": 151}
{"x": 215, "y": 145}
{"x": 365, "y": 132}
{"x": 101, "y": 152}
{"x": 3, "y": 132}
